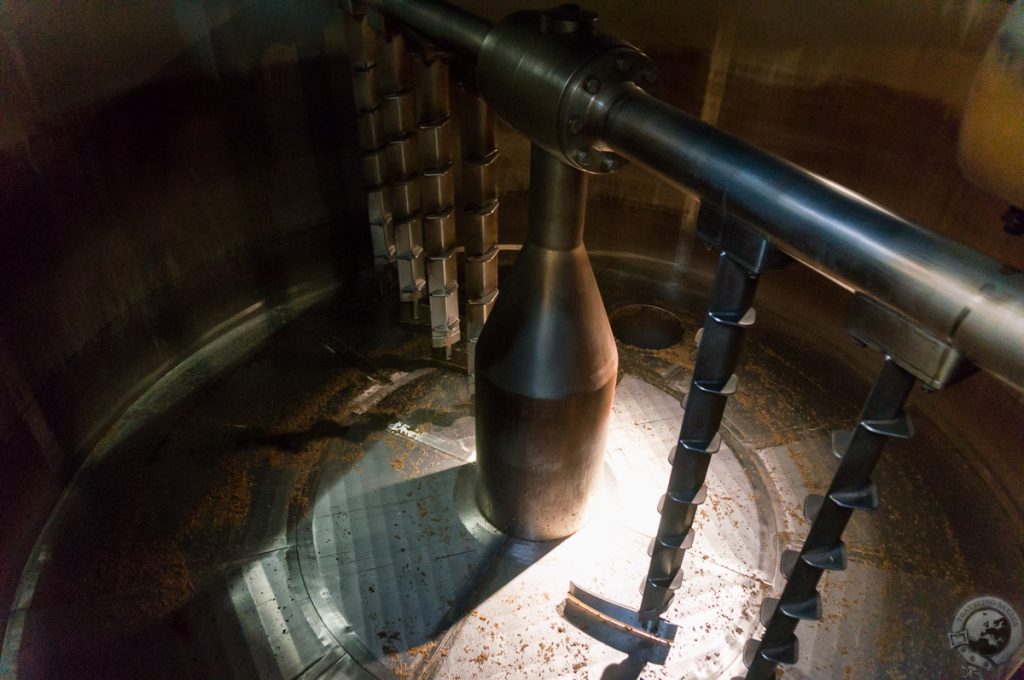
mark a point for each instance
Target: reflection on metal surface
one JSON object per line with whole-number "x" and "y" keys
{"x": 947, "y": 288}
{"x": 992, "y": 129}
{"x": 543, "y": 85}
{"x": 420, "y": 577}
{"x": 545, "y": 372}
{"x": 209, "y": 538}
{"x": 616, "y": 625}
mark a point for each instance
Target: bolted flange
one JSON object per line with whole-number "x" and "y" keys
{"x": 587, "y": 99}
{"x": 553, "y": 76}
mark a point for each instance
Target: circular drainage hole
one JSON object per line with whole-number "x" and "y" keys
{"x": 646, "y": 326}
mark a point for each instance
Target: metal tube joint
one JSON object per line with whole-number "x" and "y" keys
{"x": 543, "y": 72}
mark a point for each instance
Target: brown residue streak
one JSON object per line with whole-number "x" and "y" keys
{"x": 174, "y": 511}
{"x": 227, "y": 504}
{"x": 158, "y": 576}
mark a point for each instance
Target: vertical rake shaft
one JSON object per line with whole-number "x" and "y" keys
{"x": 437, "y": 195}
{"x": 479, "y": 217}
{"x": 881, "y": 419}
{"x": 729, "y": 315}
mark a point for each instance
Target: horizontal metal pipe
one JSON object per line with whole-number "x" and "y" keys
{"x": 440, "y": 22}
{"x": 959, "y": 295}
{"x": 965, "y": 298}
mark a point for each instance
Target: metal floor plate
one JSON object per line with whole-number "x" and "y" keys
{"x": 402, "y": 550}
{"x": 296, "y": 500}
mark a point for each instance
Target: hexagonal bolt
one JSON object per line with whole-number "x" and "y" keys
{"x": 649, "y": 75}
{"x": 610, "y": 164}
{"x": 575, "y": 125}
{"x": 592, "y": 85}
{"x": 624, "y": 63}
{"x": 582, "y": 157}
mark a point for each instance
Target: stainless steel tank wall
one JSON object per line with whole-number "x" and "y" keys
{"x": 163, "y": 167}
{"x": 868, "y": 95}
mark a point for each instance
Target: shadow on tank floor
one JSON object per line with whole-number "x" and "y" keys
{"x": 221, "y": 527}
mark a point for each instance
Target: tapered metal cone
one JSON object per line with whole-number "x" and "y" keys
{"x": 546, "y": 366}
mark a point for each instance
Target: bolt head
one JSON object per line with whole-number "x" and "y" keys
{"x": 623, "y": 64}
{"x": 576, "y": 125}
{"x": 610, "y": 164}
{"x": 582, "y": 157}
{"x": 592, "y": 85}
{"x": 649, "y": 75}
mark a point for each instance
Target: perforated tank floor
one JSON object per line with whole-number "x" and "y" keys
{"x": 295, "y": 500}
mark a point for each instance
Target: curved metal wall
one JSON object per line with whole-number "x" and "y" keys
{"x": 163, "y": 167}
{"x": 166, "y": 166}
